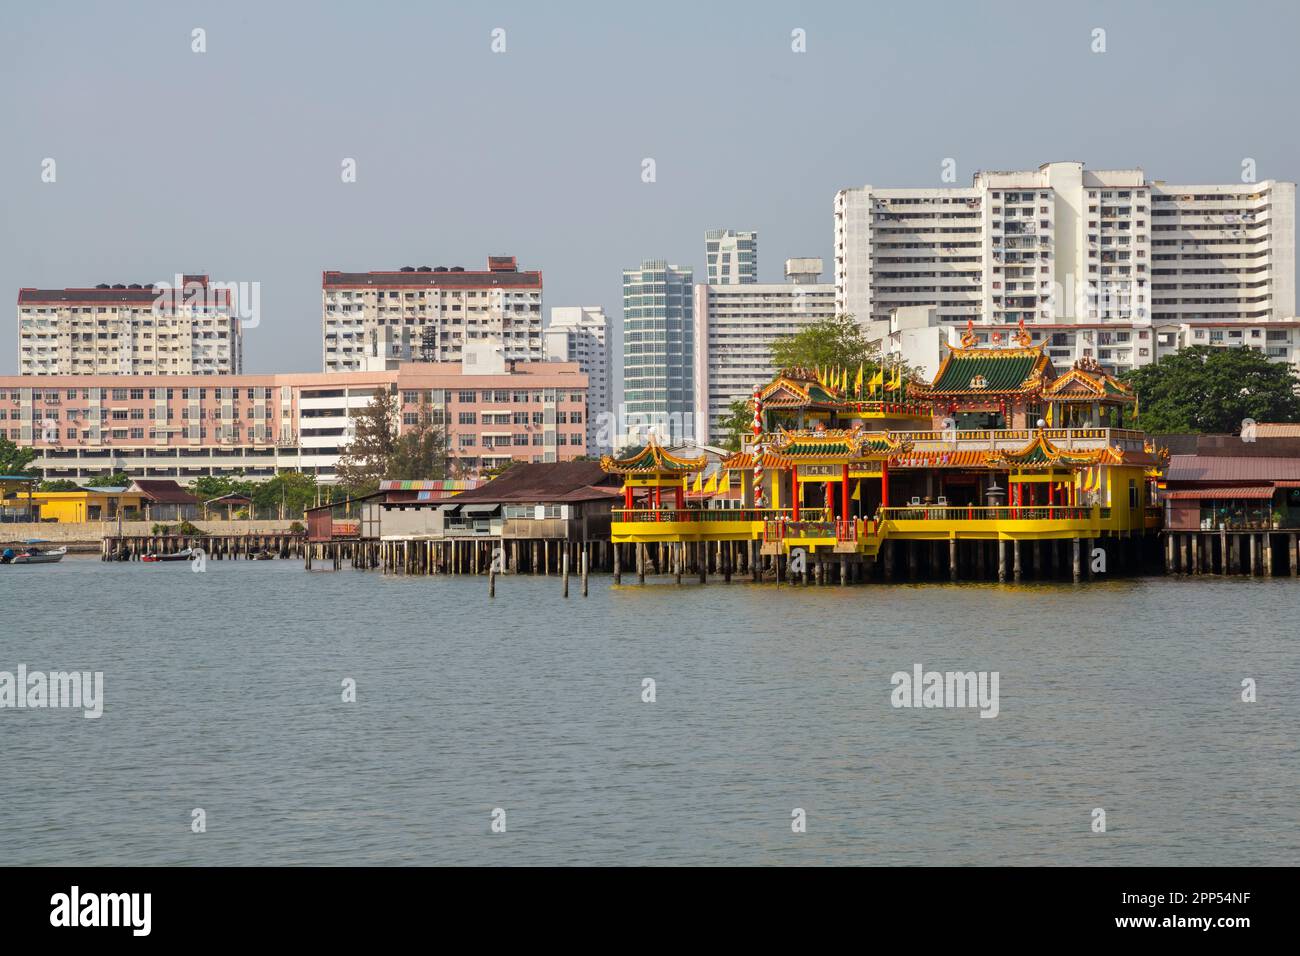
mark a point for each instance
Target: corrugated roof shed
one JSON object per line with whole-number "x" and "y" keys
{"x": 1221, "y": 468}
{"x": 539, "y": 483}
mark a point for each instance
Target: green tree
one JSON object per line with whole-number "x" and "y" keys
{"x": 119, "y": 480}
{"x": 738, "y": 422}
{"x": 14, "y": 460}
{"x": 59, "y": 484}
{"x": 421, "y": 451}
{"x": 1207, "y": 389}
{"x": 364, "y": 463}
{"x": 380, "y": 449}
{"x": 287, "y": 494}
{"x": 836, "y": 342}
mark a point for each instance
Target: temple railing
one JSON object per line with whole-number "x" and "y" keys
{"x": 803, "y": 528}
{"x": 699, "y": 514}
{"x": 1001, "y": 439}
{"x": 996, "y": 513}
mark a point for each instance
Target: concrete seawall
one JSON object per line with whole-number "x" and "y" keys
{"x": 88, "y": 535}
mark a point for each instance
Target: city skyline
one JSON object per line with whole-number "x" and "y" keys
{"x": 263, "y": 200}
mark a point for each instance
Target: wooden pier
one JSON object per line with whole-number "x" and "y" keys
{"x": 1250, "y": 552}
{"x": 218, "y": 547}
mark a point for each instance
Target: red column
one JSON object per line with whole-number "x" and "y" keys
{"x": 796, "y": 492}
{"x": 844, "y": 495}
{"x": 830, "y": 501}
{"x": 884, "y": 484}
{"x": 681, "y": 498}
{"x": 659, "y": 503}
{"x": 627, "y": 497}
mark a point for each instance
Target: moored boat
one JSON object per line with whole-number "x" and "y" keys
{"x": 186, "y": 554}
{"x": 33, "y": 553}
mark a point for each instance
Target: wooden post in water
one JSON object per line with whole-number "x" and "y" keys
{"x": 1015, "y": 559}
{"x": 492, "y": 580}
{"x": 586, "y": 561}
{"x": 952, "y": 559}
{"x": 564, "y": 570}
{"x": 618, "y": 570}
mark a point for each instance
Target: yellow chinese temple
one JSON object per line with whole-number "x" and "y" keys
{"x": 998, "y": 467}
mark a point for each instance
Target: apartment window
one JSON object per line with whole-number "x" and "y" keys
{"x": 467, "y": 418}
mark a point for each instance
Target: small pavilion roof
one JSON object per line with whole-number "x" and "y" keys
{"x": 1042, "y": 454}
{"x": 1088, "y": 382}
{"x": 835, "y": 444}
{"x": 234, "y": 498}
{"x": 653, "y": 460}
{"x": 798, "y": 386}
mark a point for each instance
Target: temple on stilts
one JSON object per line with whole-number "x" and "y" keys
{"x": 1001, "y": 468}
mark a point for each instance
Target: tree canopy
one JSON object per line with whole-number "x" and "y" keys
{"x": 380, "y": 450}
{"x": 14, "y": 460}
{"x": 836, "y": 342}
{"x": 118, "y": 480}
{"x": 738, "y": 422}
{"x": 1208, "y": 389}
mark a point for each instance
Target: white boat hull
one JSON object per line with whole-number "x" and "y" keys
{"x": 40, "y": 557}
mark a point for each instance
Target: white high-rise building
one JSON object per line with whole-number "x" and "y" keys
{"x": 1065, "y": 245}
{"x": 735, "y": 326}
{"x": 373, "y": 320}
{"x": 581, "y": 334}
{"x": 731, "y": 257}
{"x": 187, "y": 327}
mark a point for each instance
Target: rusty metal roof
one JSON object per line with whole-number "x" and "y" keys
{"x": 1220, "y": 468}
{"x": 1222, "y": 492}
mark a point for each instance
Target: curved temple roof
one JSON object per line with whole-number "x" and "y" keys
{"x": 652, "y": 460}
{"x": 976, "y": 371}
{"x": 1087, "y": 382}
{"x": 1042, "y": 454}
{"x": 836, "y": 445}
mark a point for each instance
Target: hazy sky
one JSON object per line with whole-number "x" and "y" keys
{"x": 229, "y": 161}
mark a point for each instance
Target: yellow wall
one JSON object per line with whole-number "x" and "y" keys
{"x": 75, "y": 506}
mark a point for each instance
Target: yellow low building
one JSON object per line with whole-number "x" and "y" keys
{"x": 84, "y": 504}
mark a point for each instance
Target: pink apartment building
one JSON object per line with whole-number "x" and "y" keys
{"x": 185, "y": 426}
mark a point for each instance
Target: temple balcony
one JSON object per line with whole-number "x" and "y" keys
{"x": 1004, "y": 439}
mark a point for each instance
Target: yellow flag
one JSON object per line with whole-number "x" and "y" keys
{"x": 724, "y": 485}
{"x": 711, "y": 486}
{"x": 857, "y": 382}
{"x": 877, "y": 380}
{"x": 857, "y": 492}
{"x": 1049, "y": 415}
{"x": 699, "y": 482}
{"x": 897, "y": 379}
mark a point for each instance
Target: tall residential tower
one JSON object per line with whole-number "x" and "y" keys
{"x": 658, "y": 352}
{"x": 581, "y": 334}
{"x": 731, "y": 257}
{"x": 1064, "y": 245}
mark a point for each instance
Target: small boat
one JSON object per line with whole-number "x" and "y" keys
{"x": 186, "y": 554}
{"x": 264, "y": 555}
{"x": 33, "y": 553}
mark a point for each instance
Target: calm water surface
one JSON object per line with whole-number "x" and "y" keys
{"x": 222, "y": 691}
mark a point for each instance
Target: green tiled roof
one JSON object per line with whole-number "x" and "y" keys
{"x": 1003, "y": 373}
{"x": 797, "y": 448}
